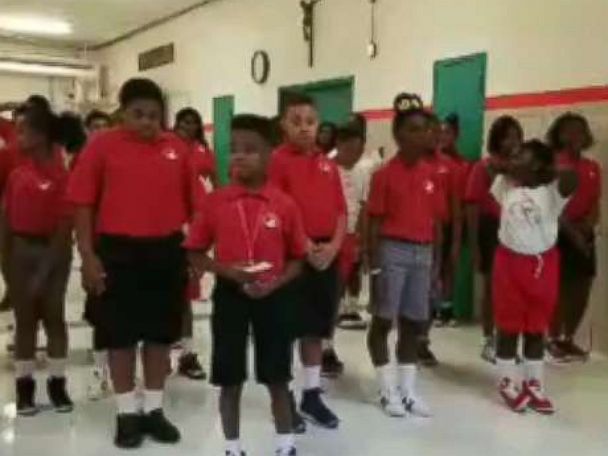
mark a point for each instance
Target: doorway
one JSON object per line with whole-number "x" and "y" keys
{"x": 333, "y": 97}
{"x": 459, "y": 86}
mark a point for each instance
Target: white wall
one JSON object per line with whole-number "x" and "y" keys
{"x": 533, "y": 45}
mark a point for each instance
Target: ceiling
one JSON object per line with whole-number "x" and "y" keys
{"x": 93, "y": 21}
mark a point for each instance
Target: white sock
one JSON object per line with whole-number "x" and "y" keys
{"x": 187, "y": 345}
{"x": 407, "y": 379}
{"x": 153, "y": 400}
{"x": 312, "y": 377}
{"x": 126, "y": 403}
{"x": 507, "y": 368}
{"x": 100, "y": 359}
{"x": 284, "y": 442}
{"x": 386, "y": 379}
{"x": 25, "y": 368}
{"x": 535, "y": 370}
{"x": 57, "y": 367}
{"x": 233, "y": 447}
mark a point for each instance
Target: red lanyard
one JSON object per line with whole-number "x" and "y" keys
{"x": 250, "y": 238}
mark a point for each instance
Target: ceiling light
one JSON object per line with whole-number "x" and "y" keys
{"x": 35, "y": 25}
{"x": 47, "y": 70}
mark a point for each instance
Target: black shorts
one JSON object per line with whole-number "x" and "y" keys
{"x": 574, "y": 263}
{"x": 144, "y": 297}
{"x": 271, "y": 322}
{"x": 318, "y": 301}
{"x": 488, "y": 241}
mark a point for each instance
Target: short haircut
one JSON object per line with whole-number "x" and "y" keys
{"x": 349, "y": 131}
{"x": 39, "y": 101}
{"x": 544, "y": 155}
{"x": 554, "y": 133}
{"x": 96, "y": 114}
{"x": 258, "y": 124}
{"x": 141, "y": 89}
{"x": 291, "y": 99}
{"x": 499, "y": 130}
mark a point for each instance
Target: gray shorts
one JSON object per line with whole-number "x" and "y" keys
{"x": 402, "y": 289}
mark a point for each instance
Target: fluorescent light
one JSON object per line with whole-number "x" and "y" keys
{"x": 34, "y": 25}
{"x": 47, "y": 70}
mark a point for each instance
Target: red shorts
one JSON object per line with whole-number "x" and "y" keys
{"x": 525, "y": 290}
{"x": 348, "y": 258}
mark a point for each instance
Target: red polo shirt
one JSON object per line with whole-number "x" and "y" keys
{"x": 446, "y": 178}
{"x": 273, "y": 232}
{"x": 139, "y": 188}
{"x": 34, "y": 198}
{"x": 589, "y": 190}
{"x": 408, "y": 199}
{"x": 313, "y": 181}
{"x": 478, "y": 189}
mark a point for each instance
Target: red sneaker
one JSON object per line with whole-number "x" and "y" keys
{"x": 515, "y": 399}
{"x": 537, "y": 399}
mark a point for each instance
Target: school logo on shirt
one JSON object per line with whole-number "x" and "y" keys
{"x": 45, "y": 185}
{"x": 170, "y": 153}
{"x": 443, "y": 169}
{"x": 429, "y": 187}
{"x": 325, "y": 167}
{"x": 271, "y": 221}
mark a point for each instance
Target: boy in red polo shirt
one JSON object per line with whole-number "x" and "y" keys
{"x": 570, "y": 136}
{"x": 133, "y": 190}
{"x": 259, "y": 245}
{"x": 404, "y": 208}
{"x": 37, "y": 243}
{"x": 300, "y": 169}
{"x": 483, "y": 213}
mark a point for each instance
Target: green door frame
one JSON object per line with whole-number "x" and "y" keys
{"x": 322, "y": 84}
{"x": 223, "y": 111}
{"x": 463, "y": 286}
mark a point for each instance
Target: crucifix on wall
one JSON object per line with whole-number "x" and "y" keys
{"x": 308, "y": 27}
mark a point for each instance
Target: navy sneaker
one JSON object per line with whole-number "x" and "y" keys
{"x": 313, "y": 408}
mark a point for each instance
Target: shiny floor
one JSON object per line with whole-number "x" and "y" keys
{"x": 468, "y": 417}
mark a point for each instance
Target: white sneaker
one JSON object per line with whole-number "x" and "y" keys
{"x": 98, "y": 387}
{"x": 488, "y": 352}
{"x": 391, "y": 405}
{"x": 416, "y": 407}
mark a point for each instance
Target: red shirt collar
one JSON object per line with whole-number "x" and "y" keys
{"x": 293, "y": 150}
{"x": 130, "y": 135}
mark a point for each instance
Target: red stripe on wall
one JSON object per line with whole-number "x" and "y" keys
{"x": 593, "y": 94}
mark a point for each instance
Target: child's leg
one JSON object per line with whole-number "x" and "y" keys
{"x": 189, "y": 365}
{"x": 407, "y": 358}
{"x": 534, "y": 351}
{"x": 487, "y": 311}
{"x": 509, "y": 377}
{"x": 230, "y": 411}
{"x": 579, "y": 291}
{"x": 283, "y": 419}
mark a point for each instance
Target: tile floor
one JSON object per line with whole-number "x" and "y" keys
{"x": 468, "y": 417}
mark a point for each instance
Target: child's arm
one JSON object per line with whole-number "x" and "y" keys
{"x": 93, "y": 274}
{"x": 201, "y": 262}
{"x": 373, "y": 241}
{"x": 472, "y": 212}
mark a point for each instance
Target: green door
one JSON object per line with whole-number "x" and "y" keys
{"x": 334, "y": 97}
{"x": 460, "y": 87}
{"x": 223, "y": 111}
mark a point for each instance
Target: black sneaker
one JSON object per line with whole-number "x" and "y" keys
{"x": 331, "y": 366}
{"x": 298, "y": 423}
{"x": 56, "y": 388}
{"x": 26, "y": 390}
{"x": 230, "y": 453}
{"x": 426, "y": 357}
{"x": 573, "y": 351}
{"x": 290, "y": 452}
{"x": 190, "y": 367}
{"x": 157, "y": 426}
{"x": 313, "y": 408}
{"x": 556, "y": 349}
{"x": 129, "y": 432}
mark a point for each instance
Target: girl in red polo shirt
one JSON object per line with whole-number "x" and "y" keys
{"x": 483, "y": 215}
{"x": 189, "y": 127}
{"x": 405, "y": 231}
{"x": 133, "y": 192}
{"x": 570, "y": 136}
{"x": 37, "y": 242}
